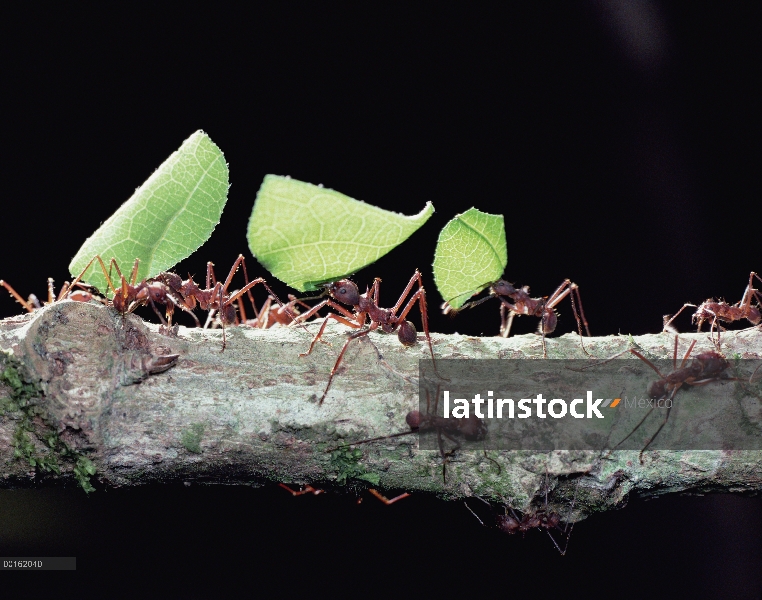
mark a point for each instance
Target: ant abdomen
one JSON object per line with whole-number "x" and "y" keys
{"x": 413, "y": 419}
{"x": 710, "y": 363}
{"x": 407, "y": 334}
{"x": 548, "y": 323}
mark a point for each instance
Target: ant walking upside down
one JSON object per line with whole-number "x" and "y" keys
{"x": 536, "y": 517}
{"x": 521, "y": 303}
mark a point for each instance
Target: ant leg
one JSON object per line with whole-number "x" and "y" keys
{"x": 446, "y": 455}
{"x": 420, "y": 296}
{"x": 512, "y": 310}
{"x": 156, "y": 310}
{"x": 354, "y": 336}
{"x": 249, "y": 294}
{"x": 386, "y": 500}
{"x": 687, "y": 353}
{"x": 233, "y": 270}
{"x": 506, "y": 320}
{"x": 542, "y": 331}
{"x": 242, "y": 312}
{"x": 748, "y": 293}
{"x": 107, "y": 274}
{"x": 644, "y": 359}
{"x": 312, "y": 311}
{"x": 17, "y": 296}
{"x": 251, "y": 284}
{"x": 211, "y": 280}
{"x": 643, "y": 420}
{"x": 134, "y": 275}
{"x": 667, "y": 323}
{"x": 308, "y": 489}
{"x": 375, "y": 291}
{"x": 575, "y": 292}
{"x": 336, "y": 317}
{"x": 416, "y": 277}
{"x": 663, "y": 423}
{"x": 264, "y": 314}
{"x": 473, "y": 513}
{"x": 568, "y": 534}
{"x": 571, "y": 289}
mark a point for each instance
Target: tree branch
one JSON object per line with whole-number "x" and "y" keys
{"x": 85, "y": 392}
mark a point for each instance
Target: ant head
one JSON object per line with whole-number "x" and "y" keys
{"x": 502, "y": 288}
{"x": 345, "y": 291}
{"x": 407, "y": 334}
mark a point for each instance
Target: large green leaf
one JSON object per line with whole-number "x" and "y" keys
{"x": 471, "y": 253}
{"x": 166, "y": 219}
{"x": 306, "y": 234}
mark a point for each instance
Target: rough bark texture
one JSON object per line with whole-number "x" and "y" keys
{"x": 82, "y": 393}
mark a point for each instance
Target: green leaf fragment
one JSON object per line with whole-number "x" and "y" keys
{"x": 306, "y": 235}
{"x": 166, "y": 219}
{"x": 471, "y": 254}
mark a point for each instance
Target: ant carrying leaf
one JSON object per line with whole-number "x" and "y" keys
{"x": 307, "y": 235}
{"x": 177, "y": 208}
{"x": 471, "y": 255}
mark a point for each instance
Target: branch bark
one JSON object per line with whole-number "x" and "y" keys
{"x": 82, "y": 384}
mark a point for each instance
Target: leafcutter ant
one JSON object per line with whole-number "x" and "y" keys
{"x": 215, "y": 297}
{"x": 471, "y": 428}
{"x": 270, "y": 315}
{"x": 366, "y": 307}
{"x": 130, "y": 295}
{"x": 308, "y": 489}
{"x": 523, "y": 304}
{"x": 535, "y": 518}
{"x": 722, "y": 311}
{"x": 83, "y": 293}
{"x": 704, "y": 368}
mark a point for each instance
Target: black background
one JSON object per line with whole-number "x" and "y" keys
{"x": 620, "y": 140}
